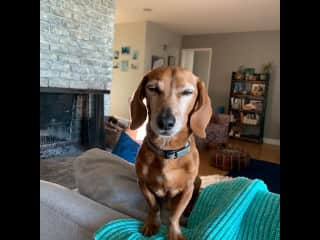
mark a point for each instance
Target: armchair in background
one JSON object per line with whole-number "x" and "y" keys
{"x": 217, "y": 132}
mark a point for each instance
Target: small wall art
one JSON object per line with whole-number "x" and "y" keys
{"x": 134, "y": 66}
{"x": 156, "y": 62}
{"x": 116, "y": 54}
{"x": 116, "y": 65}
{"x": 125, "y": 50}
{"x": 257, "y": 89}
{"x": 124, "y": 65}
{"x": 135, "y": 55}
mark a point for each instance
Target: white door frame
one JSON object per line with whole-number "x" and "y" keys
{"x": 201, "y": 49}
{"x": 187, "y": 59}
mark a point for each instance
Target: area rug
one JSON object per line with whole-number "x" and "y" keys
{"x": 264, "y": 170}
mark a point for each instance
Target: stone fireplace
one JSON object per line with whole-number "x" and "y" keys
{"x": 70, "y": 121}
{"x": 76, "y": 38}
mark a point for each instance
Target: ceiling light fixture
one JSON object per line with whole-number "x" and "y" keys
{"x": 147, "y": 9}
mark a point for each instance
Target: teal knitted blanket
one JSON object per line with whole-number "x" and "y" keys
{"x": 239, "y": 209}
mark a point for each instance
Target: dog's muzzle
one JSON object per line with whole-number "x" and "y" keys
{"x": 166, "y": 120}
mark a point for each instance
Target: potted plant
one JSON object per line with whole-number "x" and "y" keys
{"x": 266, "y": 69}
{"x": 248, "y": 73}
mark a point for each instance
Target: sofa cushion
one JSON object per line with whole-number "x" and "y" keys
{"x": 111, "y": 181}
{"x": 65, "y": 214}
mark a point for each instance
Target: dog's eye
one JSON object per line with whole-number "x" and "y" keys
{"x": 187, "y": 92}
{"x": 154, "y": 89}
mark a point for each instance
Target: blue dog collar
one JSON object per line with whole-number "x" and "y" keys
{"x": 170, "y": 154}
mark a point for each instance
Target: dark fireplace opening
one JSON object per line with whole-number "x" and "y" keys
{"x": 70, "y": 123}
{"x": 55, "y": 118}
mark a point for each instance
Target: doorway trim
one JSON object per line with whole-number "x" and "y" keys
{"x": 200, "y": 49}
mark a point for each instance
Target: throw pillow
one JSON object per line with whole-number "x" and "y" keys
{"x": 126, "y": 148}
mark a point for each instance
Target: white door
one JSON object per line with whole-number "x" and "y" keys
{"x": 198, "y": 61}
{"x": 187, "y": 58}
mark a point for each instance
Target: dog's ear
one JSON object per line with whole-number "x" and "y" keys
{"x": 202, "y": 112}
{"x": 138, "y": 111}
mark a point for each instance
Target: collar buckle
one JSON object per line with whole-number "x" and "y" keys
{"x": 170, "y": 154}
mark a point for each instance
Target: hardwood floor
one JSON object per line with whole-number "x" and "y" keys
{"x": 264, "y": 152}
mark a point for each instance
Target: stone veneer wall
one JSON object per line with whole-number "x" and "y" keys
{"x": 76, "y": 38}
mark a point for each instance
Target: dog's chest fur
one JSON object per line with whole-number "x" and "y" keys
{"x": 167, "y": 178}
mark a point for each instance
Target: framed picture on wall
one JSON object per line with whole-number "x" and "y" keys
{"x": 171, "y": 60}
{"x": 135, "y": 65}
{"x": 257, "y": 89}
{"x": 116, "y": 65}
{"x": 125, "y": 50}
{"x": 124, "y": 65}
{"x": 156, "y": 62}
{"x": 135, "y": 55}
{"x": 116, "y": 54}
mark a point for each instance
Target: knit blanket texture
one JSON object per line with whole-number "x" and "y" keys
{"x": 238, "y": 209}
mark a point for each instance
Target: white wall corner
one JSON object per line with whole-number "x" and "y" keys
{"x": 272, "y": 141}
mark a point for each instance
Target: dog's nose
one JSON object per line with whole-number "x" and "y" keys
{"x": 166, "y": 120}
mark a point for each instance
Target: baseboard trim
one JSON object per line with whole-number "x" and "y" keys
{"x": 272, "y": 141}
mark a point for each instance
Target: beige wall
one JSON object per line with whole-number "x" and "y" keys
{"x": 156, "y": 37}
{"x": 253, "y": 49}
{"x": 124, "y": 83}
{"x": 148, "y": 38}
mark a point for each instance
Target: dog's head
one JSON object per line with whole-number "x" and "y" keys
{"x": 176, "y": 99}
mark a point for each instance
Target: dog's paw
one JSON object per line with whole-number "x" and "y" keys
{"x": 174, "y": 235}
{"x": 149, "y": 229}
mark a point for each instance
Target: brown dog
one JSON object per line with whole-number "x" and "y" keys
{"x": 168, "y": 160}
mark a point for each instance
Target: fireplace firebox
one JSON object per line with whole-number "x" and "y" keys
{"x": 70, "y": 122}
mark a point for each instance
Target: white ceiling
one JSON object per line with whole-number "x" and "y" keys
{"x": 203, "y": 16}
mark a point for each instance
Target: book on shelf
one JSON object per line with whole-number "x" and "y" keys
{"x": 251, "y": 119}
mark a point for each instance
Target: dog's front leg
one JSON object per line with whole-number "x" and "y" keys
{"x": 178, "y": 205}
{"x": 152, "y": 223}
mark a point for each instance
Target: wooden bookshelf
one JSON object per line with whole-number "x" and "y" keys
{"x": 247, "y": 107}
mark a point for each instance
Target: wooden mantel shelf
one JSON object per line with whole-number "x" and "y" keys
{"x": 72, "y": 91}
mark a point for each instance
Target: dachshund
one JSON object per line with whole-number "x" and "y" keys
{"x": 167, "y": 164}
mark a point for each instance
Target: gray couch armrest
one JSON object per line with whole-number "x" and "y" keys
{"x": 65, "y": 214}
